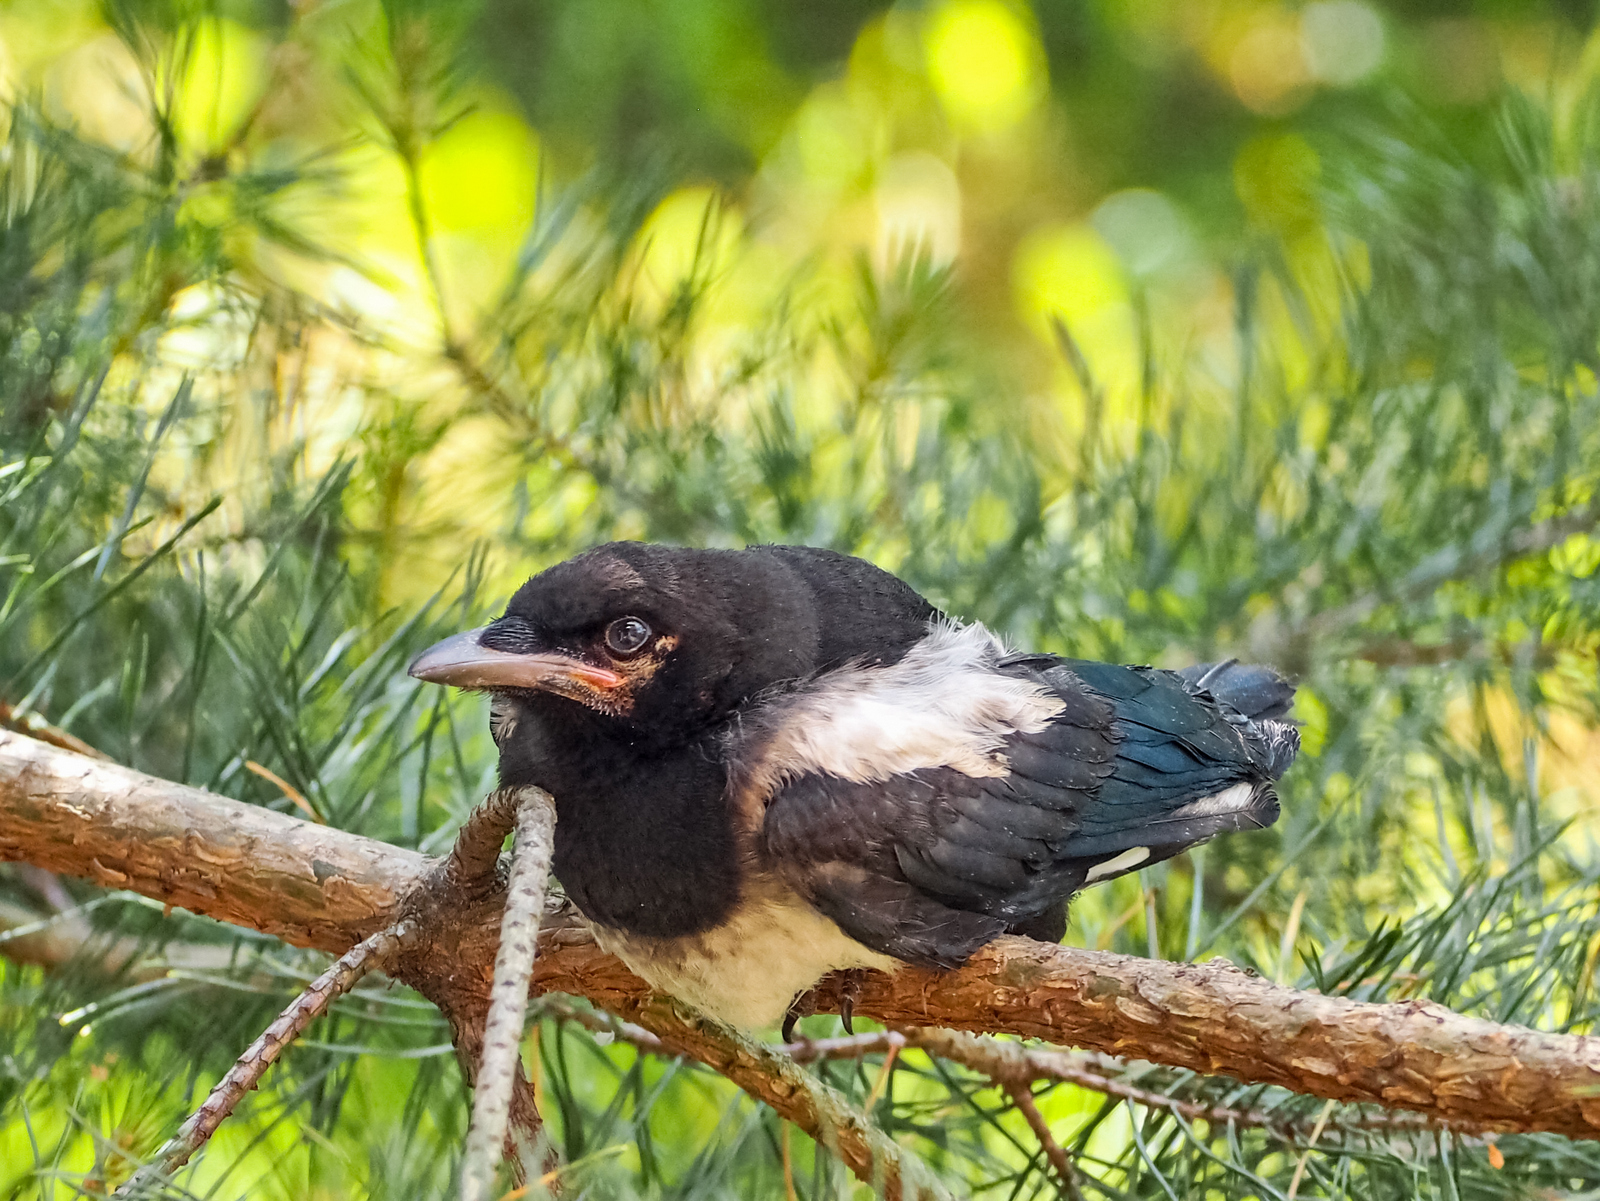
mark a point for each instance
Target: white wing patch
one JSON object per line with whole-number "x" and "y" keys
{"x": 1229, "y": 800}
{"x": 943, "y": 705}
{"x": 1126, "y": 861}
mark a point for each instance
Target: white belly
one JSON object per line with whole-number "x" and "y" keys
{"x": 749, "y": 969}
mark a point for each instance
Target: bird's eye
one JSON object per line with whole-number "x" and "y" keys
{"x": 627, "y": 636}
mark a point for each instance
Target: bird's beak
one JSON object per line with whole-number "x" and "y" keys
{"x": 463, "y": 660}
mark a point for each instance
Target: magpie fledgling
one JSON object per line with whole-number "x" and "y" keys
{"x": 774, "y": 763}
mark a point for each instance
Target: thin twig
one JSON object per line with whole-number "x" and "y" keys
{"x": 508, "y": 998}
{"x": 806, "y": 1050}
{"x": 405, "y": 144}
{"x": 453, "y": 350}
{"x": 1011, "y": 1062}
{"x": 1022, "y": 1096}
{"x": 1014, "y": 1063}
{"x": 1480, "y": 553}
{"x": 600, "y": 1022}
{"x": 798, "y": 1096}
{"x": 345, "y": 973}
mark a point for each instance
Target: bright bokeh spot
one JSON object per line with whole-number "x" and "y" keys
{"x": 225, "y": 74}
{"x": 483, "y": 174}
{"x": 1068, "y": 270}
{"x": 1342, "y": 41}
{"x": 829, "y": 136}
{"x": 1268, "y": 68}
{"x": 98, "y": 89}
{"x": 1071, "y": 272}
{"x": 985, "y": 63}
{"x": 918, "y": 202}
{"x": 691, "y": 232}
{"x": 374, "y": 226}
{"x": 1146, "y": 230}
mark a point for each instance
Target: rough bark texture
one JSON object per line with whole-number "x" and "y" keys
{"x": 318, "y": 887}
{"x": 1218, "y": 1019}
{"x": 309, "y": 885}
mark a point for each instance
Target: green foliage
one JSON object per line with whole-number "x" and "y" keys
{"x": 1392, "y": 494}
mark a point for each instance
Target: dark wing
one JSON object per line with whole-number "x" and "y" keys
{"x": 1139, "y": 765}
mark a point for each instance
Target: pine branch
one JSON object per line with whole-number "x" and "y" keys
{"x": 31, "y": 724}
{"x": 1487, "y": 551}
{"x": 316, "y": 886}
{"x": 312, "y": 886}
{"x": 368, "y": 955}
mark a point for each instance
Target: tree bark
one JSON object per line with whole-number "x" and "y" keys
{"x": 310, "y": 885}
{"x": 324, "y": 888}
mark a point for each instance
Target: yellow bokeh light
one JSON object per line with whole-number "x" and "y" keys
{"x": 830, "y": 137}
{"x": 1268, "y": 68}
{"x": 692, "y": 233}
{"x": 223, "y": 77}
{"x": 985, "y": 63}
{"x": 482, "y": 174}
{"x": 1071, "y": 272}
{"x": 918, "y": 202}
{"x": 98, "y": 89}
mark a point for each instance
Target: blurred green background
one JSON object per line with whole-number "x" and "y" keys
{"x": 1106, "y": 163}
{"x": 1142, "y": 331}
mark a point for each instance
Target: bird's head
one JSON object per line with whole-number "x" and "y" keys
{"x": 647, "y": 644}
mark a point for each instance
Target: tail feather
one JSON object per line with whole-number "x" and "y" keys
{"x": 1249, "y": 689}
{"x": 1260, "y": 697}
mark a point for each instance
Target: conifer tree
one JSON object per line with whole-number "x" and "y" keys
{"x": 247, "y": 468}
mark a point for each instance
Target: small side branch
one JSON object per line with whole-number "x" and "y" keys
{"x": 500, "y": 1066}
{"x": 476, "y": 853}
{"x": 1487, "y": 550}
{"x": 1022, "y": 1095}
{"x": 345, "y": 973}
{"x": 770, "y": 1076}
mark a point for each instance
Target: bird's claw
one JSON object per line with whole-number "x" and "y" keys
{"x": 802, "y": 1006}
{"x": 849, "y": 991}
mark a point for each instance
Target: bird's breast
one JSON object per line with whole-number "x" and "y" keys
{"x": 644, "y": 839}
{"x": 746, "y": 970}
